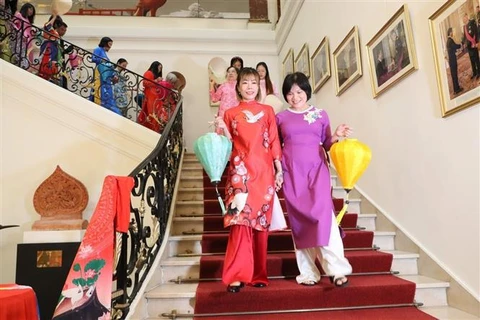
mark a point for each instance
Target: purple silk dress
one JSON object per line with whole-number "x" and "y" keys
{"x": 307, "y": 186}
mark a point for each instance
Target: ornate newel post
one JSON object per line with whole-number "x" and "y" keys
{"x": 60, "y": 201}
{"x": 258, "y": 10}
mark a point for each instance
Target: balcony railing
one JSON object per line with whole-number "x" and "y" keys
{"x": 120, "y": 90}
{"x": 238, "y": 9}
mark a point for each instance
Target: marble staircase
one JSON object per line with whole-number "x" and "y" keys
{"x": 165, "y": 295}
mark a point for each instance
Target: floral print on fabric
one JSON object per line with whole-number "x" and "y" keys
{"x": 312, "y": 116}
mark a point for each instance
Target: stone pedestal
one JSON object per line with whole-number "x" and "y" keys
{"x": 59, "y": 224}
{"x": 53, "y": 236}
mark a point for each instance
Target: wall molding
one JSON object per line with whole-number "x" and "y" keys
{"x": 287, "y": 19}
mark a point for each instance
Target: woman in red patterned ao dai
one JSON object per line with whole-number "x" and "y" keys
{"x": 251, "y": 183}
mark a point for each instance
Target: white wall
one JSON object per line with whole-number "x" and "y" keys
{"x": 43, "y": 126}
{"x": 424, "y": 173}
{"x": 183, "y": 45}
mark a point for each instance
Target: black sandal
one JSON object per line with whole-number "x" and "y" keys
{"x": 235, "y": 289}
{"x": 339, "y": 282}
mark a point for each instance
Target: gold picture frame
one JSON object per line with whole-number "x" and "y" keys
{"x": 320, "y": 65}
{"x": 347, "y": 61}
{"x": 391, "y": 52}
{"x": 288, "y": 64}
{"x": 302, "y": 62}
{"x": 452, "y": 59}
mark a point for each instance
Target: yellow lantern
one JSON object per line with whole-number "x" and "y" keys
{"x": 350, "y": 158}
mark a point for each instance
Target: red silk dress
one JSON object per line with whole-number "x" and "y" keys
{"x": 250, "y": 190}
{"x": 152, "y": 106}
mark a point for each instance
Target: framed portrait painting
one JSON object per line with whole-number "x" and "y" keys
{"x": 320, "y": 65}
{"x": 302, "y": 62}
{"x": 347, "y": 62}
{"x": 391, "y": 52}
{"x": 288, "y": 64}
{"x": 456, "y": 55}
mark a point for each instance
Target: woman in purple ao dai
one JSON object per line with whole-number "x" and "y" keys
{"x": 306, "y": 135}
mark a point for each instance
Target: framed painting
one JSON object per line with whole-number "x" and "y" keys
{"x": 302, "y": 62}
{"x": 347, "y": 62}
{"x": 456, "y": 55}
{"x": 320, "y": 65}
{"x": 391, "y": 52}
{"x": 288, "y": 64}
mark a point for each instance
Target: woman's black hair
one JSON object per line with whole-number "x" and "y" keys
{"x": 235, "y": 59}
{"x": 58, "y": 22}
{"x": 268, "y": 81}
{"x": 104, "y": 42}
{"x": 242, "y": 74}
{"x": 154, "y": 68}
{"x": 121, "y": 60}
{"x": 12, "y": 4}
{"x": 300, "y": 80}
{"x": 236, "y": 70}
{"x": 24, "y": 9}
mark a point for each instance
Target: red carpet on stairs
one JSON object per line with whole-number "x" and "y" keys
{"x": 283, "y": 292}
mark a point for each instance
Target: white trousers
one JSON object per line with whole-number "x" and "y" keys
{"x": 331, "y": 257}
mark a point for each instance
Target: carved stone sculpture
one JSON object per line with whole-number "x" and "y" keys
{"x": 60, "y": 201}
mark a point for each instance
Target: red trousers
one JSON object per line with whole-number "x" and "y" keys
{"x": 246, "y": 256}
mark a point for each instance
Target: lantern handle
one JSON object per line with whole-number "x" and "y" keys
{"x": 219, "y": 197}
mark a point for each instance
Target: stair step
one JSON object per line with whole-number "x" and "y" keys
{"x": 181, "y": 297}
{"x": 192, "y": 243}
{"x": 168, "y": 297}
{"x": 385, "y": 240}
{"x": 443, "y": 313}
{"x": 197, "y": 206}
{"x": 431, "y": 292}
{"x": 191, "y": 182}
{"x": 198, "y": 193}
{"x": 404, "y": 262}
{"x": 367, "y": 221}
{"x": 189, "y": 267}
{"x": 214, "y": 223}
{"x": 448, "y": 313}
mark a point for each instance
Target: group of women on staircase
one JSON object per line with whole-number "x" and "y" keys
{"x": 226, "y": 93}
{"x": 43, "y": 51}
{"x": 271, "y": 151}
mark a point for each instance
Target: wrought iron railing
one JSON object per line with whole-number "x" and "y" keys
{"x": 151, "y": 201}
{"x": 73, "y": 68}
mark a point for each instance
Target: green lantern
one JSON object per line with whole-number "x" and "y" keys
{"x": 213, "y": 151}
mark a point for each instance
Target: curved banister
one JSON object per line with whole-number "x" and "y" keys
{"x": 152, "y": 197}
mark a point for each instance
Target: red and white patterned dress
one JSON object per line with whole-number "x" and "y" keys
{"x": 250, "y": 187}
